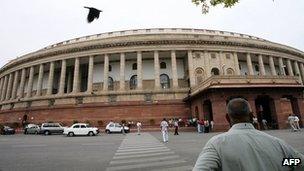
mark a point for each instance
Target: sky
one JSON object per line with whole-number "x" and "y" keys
{"x": 27, "y": 26}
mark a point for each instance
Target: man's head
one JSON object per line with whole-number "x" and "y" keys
{"x": 238, "y": 111}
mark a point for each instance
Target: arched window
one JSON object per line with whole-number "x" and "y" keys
{"x": 215, "y": 71}
{"x": 164, "y": 81}
{"x": 110, "y": 68}
{"x": 134, "y": 66}
{"x": 199, "y": 75}
{"x": 110, "y": 83}
{"x": 133, "y": 82}
{"x": 230, "y": 71}
{"x": 163, "y": 65}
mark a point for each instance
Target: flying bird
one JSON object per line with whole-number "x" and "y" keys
{"x": 93, "y": 14}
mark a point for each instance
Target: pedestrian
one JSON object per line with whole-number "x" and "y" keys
{"x": 199, "y": 126}
{"x": 255, "y": 122}
{"x": 264, "y": 121}
{"x": 291, "y": 120}
{"x": 202, "y": 125}
{"x": 164, "y": 129}
{"x": 243, "y": 147}
{"x": 296, "y": 122}
{"x": 123, "y": 129}
{"x": 206, "y": 124}
{"x": 176, "y": 127}
{"x": 211, "y": 125}
{"x": 138, "y": 124}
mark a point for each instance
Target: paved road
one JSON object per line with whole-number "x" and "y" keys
{"x": 111, "y": 152}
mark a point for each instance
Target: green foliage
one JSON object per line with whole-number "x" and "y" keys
{"x": 75, "y": 121}
{"x": 152, "y": 122}
{"x": 207, "y": 3}
{"x": 100, "y": 123}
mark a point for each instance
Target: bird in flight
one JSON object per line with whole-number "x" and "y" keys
{"x": 93, "y": 14}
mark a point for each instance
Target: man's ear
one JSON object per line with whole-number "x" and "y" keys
{"x": 228, "y": 119}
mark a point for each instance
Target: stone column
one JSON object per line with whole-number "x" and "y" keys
{"x": 69, "y": 83}
{"x": 106, "y": 73}
{"x": 76, "y": 76}
{"x": 30, "y": 83}
{"x": 40, "y": 80}
{"x": 261, "y": 65}
{"x": 1, "y": 86}
{"x": 156, "y": 70}
{"x": 302, "y": 70}
{"x": 281, "y": 66}
{"x": 297, "y": 71}
{"x": 9, "y": 87}
{"x": 174, "y": 69}
{"x": 22, "y": 83}
{"x": 207, "y": 64}
{"x": 62, "y": 77}
{"x": 236, "y": 64}
{"x": 51, "y": 79}
{"x": 122, "y": 72}
{"x": 249, "y": 64}
{"x": 15, "y": 85}
{"x": 139, "y": 71}
{"x": 90, "y": 74}
{"x": 190, "y": 69}
{"x": 222, "y": 63}
{"x": 4, "y": 88}
{"x": 272, "y": 67}
{"x": 289, "y": 68}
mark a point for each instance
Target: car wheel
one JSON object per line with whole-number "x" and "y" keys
{"x": 108, "y": 131}
{"x": 71, "y": 134}
{"x": 91, "y": 133}
{"x": 47, "y": 133}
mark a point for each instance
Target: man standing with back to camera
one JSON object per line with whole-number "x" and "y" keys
{"x": 243, "y": 147}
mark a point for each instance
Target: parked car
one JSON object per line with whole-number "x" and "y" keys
{"x": 116, "y": 127}
{"x": 51, "y": 128}
{"x": 32, "y": 129}
{"x": 81, "y": 129}
{"x": 6, "y": 130}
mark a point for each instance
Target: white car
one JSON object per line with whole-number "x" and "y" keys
{"x": 80, "y": 129}
{"x": 115, "y": 127}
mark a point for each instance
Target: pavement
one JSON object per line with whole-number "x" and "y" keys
{"x": 112, "y": 152}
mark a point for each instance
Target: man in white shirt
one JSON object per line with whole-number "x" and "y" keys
{"x": 291, "y": 120}
{"x": 164, "y": 129}
{"x": 243, "y": 147}
{"x": 138, "y": 124}
{"x": 296, "y": 122}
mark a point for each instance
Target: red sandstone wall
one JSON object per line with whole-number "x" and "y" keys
{"x": 132, "y": 111}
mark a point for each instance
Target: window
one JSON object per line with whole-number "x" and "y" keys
{"x": 256, "y": 67}
{"x": 83, "y": 126}
{"x": 164, "y": 81}
{"x": 133, "y": 82}
{"x": 110, "y": 68}
{"x": 230, "y": 71}
{"x": 215, "y": 71}
{"x": 199, "y": 75}
{"x": 110, "y": 83}
{"x": 163, "y": 65}
{"x": 134, "y": 66}
{"x": 76, "y": 126}
{"x": 213, "y": 55}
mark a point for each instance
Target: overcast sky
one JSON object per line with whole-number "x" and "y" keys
{"x": 30, "y": 25}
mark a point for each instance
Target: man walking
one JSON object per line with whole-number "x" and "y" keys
{"x": 164, "y": 129}
{"x": 243, "y": 147}
{"x": 296, "y": 122}
{"x": 176, "y": 127}
{"x": 138, "y": 124}
{"x": 291, "y": 120}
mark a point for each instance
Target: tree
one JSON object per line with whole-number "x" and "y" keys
{"x": 207, "y": 3}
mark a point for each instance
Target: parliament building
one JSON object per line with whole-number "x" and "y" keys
{"x": 150, "y": 74}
